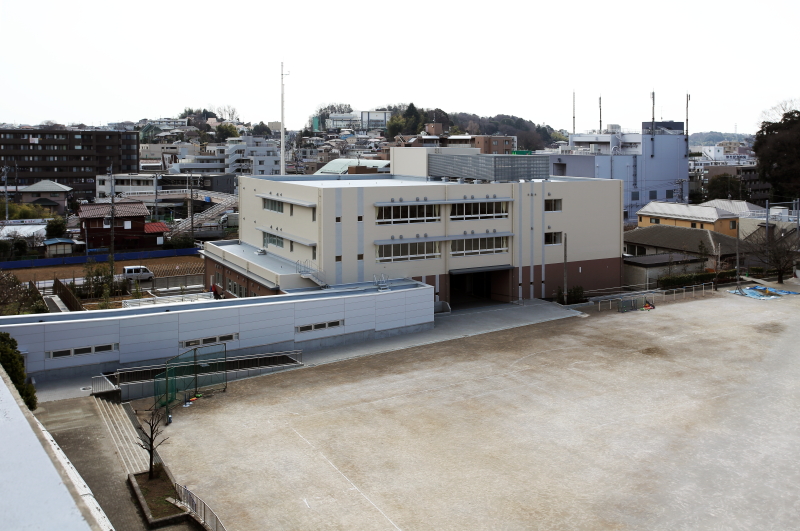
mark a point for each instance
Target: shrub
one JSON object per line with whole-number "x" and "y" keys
{"x": 574, "y": 295}
{"x": 14, "y": 365}
{"x": 689, "y": 279}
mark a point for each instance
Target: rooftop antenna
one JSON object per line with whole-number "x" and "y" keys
{"x": 688, "y": 97}
{"x": 573, "y": 112}
{"x": 600, "y": 102}
{"x": 283, "y": 127}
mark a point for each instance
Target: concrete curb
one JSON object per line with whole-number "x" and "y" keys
{"x": 156, "y": 522}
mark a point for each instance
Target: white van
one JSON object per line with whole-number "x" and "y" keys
{"x": 137, "y": 273}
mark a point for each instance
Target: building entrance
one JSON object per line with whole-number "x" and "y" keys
{"x": 482, "y": 287}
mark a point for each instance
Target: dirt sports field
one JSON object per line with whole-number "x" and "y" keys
{"x": 685, "y": 417}
{"x": 162, "y": 267}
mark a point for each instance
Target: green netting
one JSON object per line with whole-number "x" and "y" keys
{"x": 187, "y": 373}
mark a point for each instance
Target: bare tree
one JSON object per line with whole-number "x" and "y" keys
{"x": 229, "y": 113}
{"x": 775, "y": 247}
{"x": 151, "y": 431}
{"x": 775, "y": 113}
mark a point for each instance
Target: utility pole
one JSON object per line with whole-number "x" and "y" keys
{"x": 738, "y": 282}
{"x": 5, "y": 182}
{"x": 113, "y": 193}
{"x": 283, "y": 128}
{"x": 566, "y": 300}
{"x": 155, "y": 200}
{"x": 191, "y": 204}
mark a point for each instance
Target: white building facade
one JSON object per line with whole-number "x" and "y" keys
{"x": 501, "y": 241}
{"x": 245, "y": 155}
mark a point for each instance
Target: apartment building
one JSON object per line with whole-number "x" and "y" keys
{"x": 178, "y": 149}
{"x": 68, "y": 157}
{"x": 144, "y": 182}
{"x": 501, "y": 240}
{"x": 244, "y": 155}
{"x": 651, "y": 162}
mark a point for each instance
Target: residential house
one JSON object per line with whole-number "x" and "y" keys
{"x": 129, "y": 225}
{"x": 52, "y": 196}
{"x": 689, "y": 216}
{"x": 715, "y": 247}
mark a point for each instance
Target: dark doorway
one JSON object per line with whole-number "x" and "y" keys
{"x": 479, "y": 288}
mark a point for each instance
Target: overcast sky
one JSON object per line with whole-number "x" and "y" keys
{"x": 100, "y": 61}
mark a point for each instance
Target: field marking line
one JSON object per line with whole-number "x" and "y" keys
{"x": 348, "y": 480}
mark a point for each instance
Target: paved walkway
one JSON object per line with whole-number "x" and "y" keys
{"x": 80, "y": 430}
{"x": 458, "y": 324}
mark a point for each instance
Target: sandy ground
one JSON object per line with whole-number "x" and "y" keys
{"x": 68, "y": 272}
{"x": 685, "y": 417}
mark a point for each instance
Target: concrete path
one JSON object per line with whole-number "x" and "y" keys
{"x": 80, "y": 430}
{"x": 458, "y": 324}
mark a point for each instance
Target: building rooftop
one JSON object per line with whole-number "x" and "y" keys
{"x": 736, "y": 207}
{"x": 46, "y": 186}
{"x": 123, "y": 208}
{"x": 684, "y": 211}
{"x": 681, "y": 239}
{"x": 656, "y": 260}
{"x": 155, "y": 228}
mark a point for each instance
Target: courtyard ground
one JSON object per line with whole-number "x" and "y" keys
{"x": 184, "y": 264}
{"x": 685, "y": 417}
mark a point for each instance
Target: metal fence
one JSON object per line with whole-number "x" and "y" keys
{"x": 178, "y": 281}
{"x": 101, "y": 384}
{"x": 630, "y": 302}
{"x": 200, "y": 508}
{"x": 151, "y": 301}
{"x": 67, "y": 297}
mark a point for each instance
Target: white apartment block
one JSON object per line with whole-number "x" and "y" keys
{"x": 244, "y": 155}
{"x": 179, "y": 149}
{"x": 496, "y": 240}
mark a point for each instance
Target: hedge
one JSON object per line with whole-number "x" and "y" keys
{"x": 689, "y": 279}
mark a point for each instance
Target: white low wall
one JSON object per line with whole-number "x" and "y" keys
{"x": 267, "y": 321}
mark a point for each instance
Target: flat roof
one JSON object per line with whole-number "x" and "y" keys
{"x": 367, "y": 183}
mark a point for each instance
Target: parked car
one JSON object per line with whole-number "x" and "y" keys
{"x": 137, "y": 273}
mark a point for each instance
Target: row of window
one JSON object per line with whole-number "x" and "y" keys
{"x": 208, "y": 340}
{"x": 320, "y": 326}
{"x": 240, "y": 290}
{"x": 60, "y": 147}
{"x": 653, "y": 195}
{"x": 60, "y": 136}
{"x": 272, "y": 205}
{"x": 402, "y": 252}
{"x": 474, "y": 246}
{"x": 79, "y": 351}
{"x": 272, "y": 239}
{"x": 62, "y": 169}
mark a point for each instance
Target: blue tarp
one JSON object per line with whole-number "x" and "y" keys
{"x": 763, "y": 293}
{"x": 71, "y": 260}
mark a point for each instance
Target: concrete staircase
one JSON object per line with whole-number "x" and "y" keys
{"x": 124, "y": 435}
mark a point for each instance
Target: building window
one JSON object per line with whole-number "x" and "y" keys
{"x": 360, "y": 218}
{"x": 338, "y": 258}
{"x": 291, "y": 246}
{"x": 319, "y": 326}
{"x": 360, "y": 257}
{"x": 79, "y": 351}
{"x": 291, "y": 209}
{"x": 313, "y": 214}
{"x": 670, "y": 194}
{"x": 473, "y": 246}
{"x": 391, "y": 215}
{"x": 272, "y": 239}
{"x": 655, "y": 221}
{"x": 338, "y": 219}
{"x": 552, "y": 205}
{"x": 552, "y": 238}
{"x": 732, "y": 225}
{"x": 640, "y": 219}
{"x": 208, "y": 340}
{"x": 653, "y": 195}
{"x": 464, "y": 211}
{"x": 403, "y": 252}
{"x": 272, "y": 205}
{"x": 494, "y": 142}
{"x": 702, "y": 226}
{"x": 634, "y": 196}
{"x": 694, "y": 225}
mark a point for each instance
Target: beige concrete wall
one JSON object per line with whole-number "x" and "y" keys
{"x": 591, "y": 217}
{"x": 722, "y": 226}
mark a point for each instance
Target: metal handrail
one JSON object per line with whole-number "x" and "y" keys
{"x": 663, "y": 293}
{"x": 199, "y": 508}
